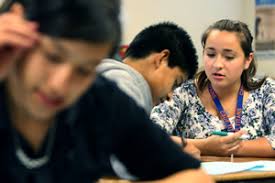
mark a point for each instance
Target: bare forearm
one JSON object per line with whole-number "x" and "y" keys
{"x": 256, "y": 148}
{"x": 192, "y": 176}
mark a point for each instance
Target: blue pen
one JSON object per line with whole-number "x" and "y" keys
{"x": 222, "y": 133}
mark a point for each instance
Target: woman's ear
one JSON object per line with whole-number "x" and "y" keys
{"x": 248, "y": 61}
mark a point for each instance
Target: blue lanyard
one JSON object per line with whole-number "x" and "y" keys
{"x": 238, "y": 112}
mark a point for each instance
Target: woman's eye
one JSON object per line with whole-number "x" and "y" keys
{"x": 211, "y": 55}
{"x": 229, "y": 57}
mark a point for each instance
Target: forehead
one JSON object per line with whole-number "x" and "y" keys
{"x": 77, "y": 51}
{"x": 223, "y": 40}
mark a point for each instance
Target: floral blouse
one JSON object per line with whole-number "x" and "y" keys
{"x": 185, "y": 114}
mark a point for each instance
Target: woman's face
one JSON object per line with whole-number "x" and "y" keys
{"x": 224, "y": 59}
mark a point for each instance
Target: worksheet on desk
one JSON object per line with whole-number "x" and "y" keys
{"x": 219, "y": 167}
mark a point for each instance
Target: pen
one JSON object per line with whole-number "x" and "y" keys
{"x": 222, "y": 133}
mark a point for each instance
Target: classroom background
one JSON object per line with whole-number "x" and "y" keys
{"x": 195, "y": 16}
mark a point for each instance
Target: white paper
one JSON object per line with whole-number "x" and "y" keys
{"x": 219, "y": 167}
{"x": 267, "y": 166}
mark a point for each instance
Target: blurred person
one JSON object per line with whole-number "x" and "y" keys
{"x": 56, "y": 121}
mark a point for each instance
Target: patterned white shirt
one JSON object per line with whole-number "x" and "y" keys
{"x": 185, "y": 114}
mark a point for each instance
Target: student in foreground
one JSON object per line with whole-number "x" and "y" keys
{"x": 58, "y": 122}
{"x": 225, "y": 96}
{"x": 158, "y": 60}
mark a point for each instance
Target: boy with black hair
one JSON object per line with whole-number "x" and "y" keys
{"x": 159, "y": 59}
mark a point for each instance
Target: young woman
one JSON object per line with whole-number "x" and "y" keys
{"x": 225, "y": 96}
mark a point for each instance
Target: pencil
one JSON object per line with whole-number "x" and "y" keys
{"x": 232, "y": 158}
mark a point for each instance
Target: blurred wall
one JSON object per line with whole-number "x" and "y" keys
{"x": 194, "y": 15}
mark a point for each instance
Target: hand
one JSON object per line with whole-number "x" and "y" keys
{"x": 16, "y": 35}
{"x": 192, "y": 150}
{"x": 222, "y": 145}
{"x": 188, "y": 148}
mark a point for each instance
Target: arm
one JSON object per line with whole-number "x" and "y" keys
{"x": 189, "y": 176}
{"x": 218, "y": 145}
{"x": 144, "y": 149}
{"x": 263, "y": 146}
{"x": 256, "y": 148}
{"x": 187, "y": 147}
{"x": 260, "y": 147}
{"x": 224, "y": 146}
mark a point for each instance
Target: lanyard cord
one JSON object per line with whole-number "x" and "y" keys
{"x": 238, "y": 112}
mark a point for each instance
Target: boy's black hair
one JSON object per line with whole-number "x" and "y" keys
{"x": 166, "y": 35}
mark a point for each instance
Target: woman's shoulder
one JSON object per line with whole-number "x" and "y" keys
{"x": 187, "y": 89}
{"x": 269, "y": 83}
{"x": 267, "y": 88}
{"x": 188, "y": 84}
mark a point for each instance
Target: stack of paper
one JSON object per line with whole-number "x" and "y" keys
{"x": 219, "y": 167}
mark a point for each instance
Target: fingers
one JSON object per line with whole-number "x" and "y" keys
{"x": 15, "y": 31}
{"x": 232, "y": 147}
{"x": 233, "y": 150}
{"x": 232, "y": 137}
{"x": 16, "y": 35}
{"x": 232, "y": 142}
{"x": 16, "y": 41}
{"x": 17, "y": 9}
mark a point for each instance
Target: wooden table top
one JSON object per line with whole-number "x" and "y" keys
{"x": 246, "y": 175}
{"x": 226, "y": 177}
{"x": 236, "y": 159}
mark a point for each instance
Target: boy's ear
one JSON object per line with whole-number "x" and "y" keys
{"x": 162, "y": 58}
{"x": 17, "y": 9}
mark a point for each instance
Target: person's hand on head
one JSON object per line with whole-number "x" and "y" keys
{"x": 223, "y": 145}
{"x": 16, "y": 35}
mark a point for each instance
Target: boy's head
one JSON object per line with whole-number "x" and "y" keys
{"x": 75, "y": 36}
{"x": 169, "y": 55}
{"x": 166, "y": 36}
{"x": 89, "y": 20}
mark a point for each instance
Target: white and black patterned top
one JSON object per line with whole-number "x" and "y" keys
{"x": 185, "y": 114}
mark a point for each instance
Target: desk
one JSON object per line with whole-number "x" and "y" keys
{"x": 110, "y": 180}
{"x": 233, "y": 177}
{"x": 241, "y": 175}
